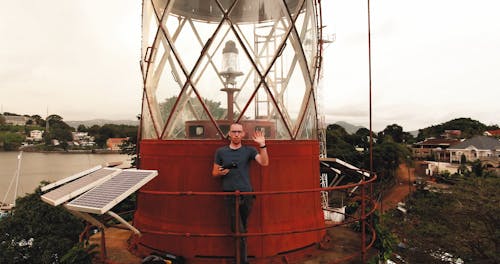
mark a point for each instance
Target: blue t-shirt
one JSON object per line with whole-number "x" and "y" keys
{"x": 238, "y": 178}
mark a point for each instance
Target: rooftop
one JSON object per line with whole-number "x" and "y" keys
{"x": 479, "y": 142}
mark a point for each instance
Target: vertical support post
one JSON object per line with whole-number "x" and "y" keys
{"x": 237, "y": 226}
{"x": 85, "y": 232}
{"x": 409, "y": 180}
{"x": 372, "y": 198}
{"x": 363, "y": 221}
{"x": 230, "y": 102}
{"x": 103, "y": 246}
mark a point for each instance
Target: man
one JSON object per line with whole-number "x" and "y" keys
{"x": 232, "y": 163}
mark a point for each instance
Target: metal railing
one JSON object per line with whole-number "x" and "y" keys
{"x": 368, "y": 207}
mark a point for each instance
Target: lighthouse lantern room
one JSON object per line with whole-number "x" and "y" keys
{"x": 205, "y": 65}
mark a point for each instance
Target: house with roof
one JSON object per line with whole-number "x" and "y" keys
{"x": 452, "y": 133}
{"x": 15, "y": 120}
{"x": 483, "y": 148}
{"x": 35, "y": 135}
{"x": 434, "y": 147}
{"x": 492, "y": 133}
{"x": 82, "y": 139}
{"x": 114, "y": 143}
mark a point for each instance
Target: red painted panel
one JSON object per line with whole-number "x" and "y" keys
{"x": 185, "y": 165}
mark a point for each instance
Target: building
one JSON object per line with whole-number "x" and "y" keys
{"x": 435, "y": 148}
{"x": 36, "y": 135}
{"x": 79, "y": 136}
{"x": 82, "y": 139}
{"x": 483, "y": 148}
{"x": 15, "y": 120}
{"x": 452, "y": 133}
{"x": 114, "y": 143}
{"x": 492, "y": 133}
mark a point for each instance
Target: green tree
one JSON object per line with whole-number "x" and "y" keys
{"x": 94, "y": 130}
{"x": 387, "y": 156}
{"x": 11, "y": 141}
{"x": 385, "y": 240}
{"x": 464, "y": 221}
{"x": 362, "y": 138}
{"x": 54, "y": 119}
{"x": 129, "y": 147}
{"x": 338, "y": 146}
{"x": 397, "y": 134}
{"x": 214, "y": 107}
{"x": 2, "y": 120}
{"x": 468, "y": 126}
{"x": 477, "y": 168}
{"x": 10, "y": 114}
{"x": 58, "y": 129}
{"x": 80, "y": 254}
{"x": 463, "y": 159}
{"x": 337, "y": 129}
{"x": 37, "y": 232}
{"x": 37, "y": 120}
{"x": 82, "y": 128}
{"x": 395, "y": 131}
{"x": 101, "y": 134}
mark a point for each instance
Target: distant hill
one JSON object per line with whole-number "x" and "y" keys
{"x": 349, "y": 128}
{"x": 469, "y": 128}
{"x": 101, "y": 122}
{"x": 414, "y": 133}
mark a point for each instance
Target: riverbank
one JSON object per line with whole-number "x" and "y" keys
{"x": 69, "y": 151}
{"x": 49, "y": 166}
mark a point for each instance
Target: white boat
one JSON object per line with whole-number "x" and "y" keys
{"x": 6, "y": 208}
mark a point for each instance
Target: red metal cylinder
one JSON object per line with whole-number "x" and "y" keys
{"x": 185, "y": 165}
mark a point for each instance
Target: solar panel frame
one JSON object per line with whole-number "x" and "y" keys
{"x": 102, "y": 198}
{"x": 70, "y": 178}
{"x": 78, "y": 186}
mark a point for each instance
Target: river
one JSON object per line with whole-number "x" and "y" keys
{"x": 37, "y": 167}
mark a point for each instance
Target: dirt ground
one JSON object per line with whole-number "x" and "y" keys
{"x": 404, "y": 184}
{"x": 343, "y": 242}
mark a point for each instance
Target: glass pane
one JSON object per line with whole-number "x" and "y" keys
{"x": 164, "y": 81}
{"x": 263, "y": 113}
{"x": 187, "y": 32}
{"x": 263, "y": 37}
{"x": 149, "y": 31}
{"x": 173, "y": 26}
{"x": 228, "y": 90}
{"x": 159, "y": 6}
{"x": 199, "y": 10}
{"x": 209, "y": 84}
{"x": 282, "y": 131}
{"x": 188, "y": 109}
{"x": 189, "y": 49}
{"x": 260, "y": 28}
{"x": 308, "y": 37}
{"x": 308, "y": 128}
{"x": 296, "y": 7}
{"x": 288, "y": 84}
{"x": 148, "y": 130}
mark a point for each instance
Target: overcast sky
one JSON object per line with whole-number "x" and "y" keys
{"x": 432, "y": 60}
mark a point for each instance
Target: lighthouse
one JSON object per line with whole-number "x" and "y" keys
{"x": 207, "y": 64}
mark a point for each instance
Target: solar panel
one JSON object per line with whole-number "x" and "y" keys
{"x": 79, "y": 186}
{"x": 103, "y": 197}
{"x": 70, "y": 178}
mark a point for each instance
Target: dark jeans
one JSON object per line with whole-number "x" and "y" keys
{"x": 245, "y": 207}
